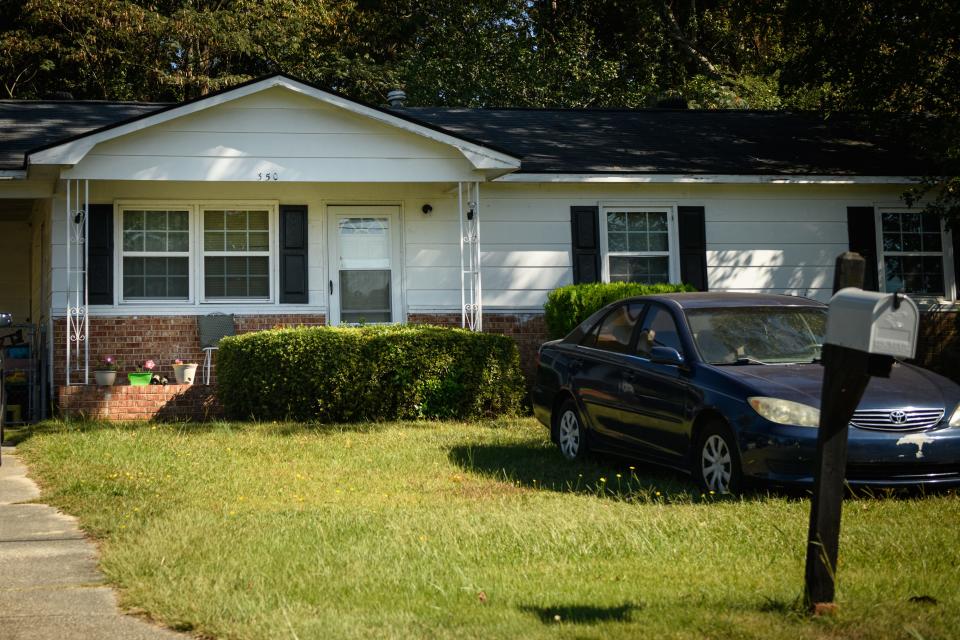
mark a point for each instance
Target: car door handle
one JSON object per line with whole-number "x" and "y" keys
{"x": 576, "y": 364}
{"x": 629, "y": 376}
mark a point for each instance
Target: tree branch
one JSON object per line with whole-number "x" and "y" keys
{"x": 676, "y": 33}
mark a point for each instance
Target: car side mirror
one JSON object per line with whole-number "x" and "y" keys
{"x": 666, "y": 355}
{"x": 6, "y": 319}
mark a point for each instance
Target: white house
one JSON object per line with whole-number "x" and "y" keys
{"x": 282, "y": 203}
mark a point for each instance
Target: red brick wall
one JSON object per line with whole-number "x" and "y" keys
{"x": 528, "y": 330}
{"x": 134, "y": 339}
{"x": 938, "y": 347}
{"x": 151, "y": 402}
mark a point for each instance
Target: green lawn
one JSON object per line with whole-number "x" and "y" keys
{"x": 448, "y": 530}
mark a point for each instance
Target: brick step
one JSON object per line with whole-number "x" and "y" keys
{"x": 148, "y": 402}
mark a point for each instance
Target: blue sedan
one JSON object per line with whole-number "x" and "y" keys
{"x": 727, "y": 387}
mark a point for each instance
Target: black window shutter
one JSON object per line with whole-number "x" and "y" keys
{"x": 100, "y": 254}
{"x": 585, "y": 236}
{"x": 293, "y": 254}
{"x": 862, "y": 232}
{"x": 692, "y": 229}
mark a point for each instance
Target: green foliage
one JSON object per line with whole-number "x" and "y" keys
{"x": 333, "y": 374}
{"x": 568, "y": 306}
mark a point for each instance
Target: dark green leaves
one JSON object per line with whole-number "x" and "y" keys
{"x": 370, "y": 373}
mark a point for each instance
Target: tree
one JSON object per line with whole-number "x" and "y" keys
{"x": 885, "y": 56}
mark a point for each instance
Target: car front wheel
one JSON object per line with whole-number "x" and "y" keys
{"x": 570, "y": 434}
{"x": 716, "y": 461}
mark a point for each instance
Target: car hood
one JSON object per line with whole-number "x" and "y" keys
{"x": 907, "y": 386}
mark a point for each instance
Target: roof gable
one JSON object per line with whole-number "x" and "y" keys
{"x": 259, "y": 95}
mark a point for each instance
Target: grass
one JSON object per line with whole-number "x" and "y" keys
{"x": 449, "y": 530}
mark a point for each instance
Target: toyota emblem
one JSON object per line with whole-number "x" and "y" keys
{"x": 898, "y": 416}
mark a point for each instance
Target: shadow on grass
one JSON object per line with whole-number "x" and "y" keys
{"x": 540, "y": 466}
{"x": 582, "y": 613}
{"x": 14, "y": 436}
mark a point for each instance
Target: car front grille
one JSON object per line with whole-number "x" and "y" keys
{"x": 909, "y": 419}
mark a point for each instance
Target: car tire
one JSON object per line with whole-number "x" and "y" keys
{"x": 569, "y": 432}
{"x": 716, "y": 460}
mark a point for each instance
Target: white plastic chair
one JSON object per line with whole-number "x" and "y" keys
{"x": 212, "y": 328}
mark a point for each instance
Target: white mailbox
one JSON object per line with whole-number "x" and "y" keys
{"x": 867, "y": 321}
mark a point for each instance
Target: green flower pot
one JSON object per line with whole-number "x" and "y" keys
{"x": 139, "y": 379}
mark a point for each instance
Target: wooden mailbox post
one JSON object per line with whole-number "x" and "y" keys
{"x": 865, "y": 331}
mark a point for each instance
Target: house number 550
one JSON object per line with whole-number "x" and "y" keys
{"x": 268, "y": 175}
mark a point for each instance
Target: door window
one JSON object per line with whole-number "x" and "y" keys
{"x": 658, "y": 330}
{"x": 616, "y": 329}
{"x": 365, "y": 276}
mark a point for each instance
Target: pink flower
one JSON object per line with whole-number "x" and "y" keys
{"x": 178, "y": 361}
{"x": 109, "y": 359}
{"x": 149, "y": 365}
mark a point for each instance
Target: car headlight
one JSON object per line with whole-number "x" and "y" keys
{"x": 955, "y": 418}
{"x": 786, "y": 412}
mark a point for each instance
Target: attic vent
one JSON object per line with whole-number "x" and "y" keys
{"x": 397, "y": 98}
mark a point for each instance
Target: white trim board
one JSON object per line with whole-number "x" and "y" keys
{"x": 689, "y": 178}
{"x": 70, "y": 153}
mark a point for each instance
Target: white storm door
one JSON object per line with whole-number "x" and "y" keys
{"x": 364, "y": 282}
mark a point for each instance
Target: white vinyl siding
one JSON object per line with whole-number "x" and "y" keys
{"x": 275, "y": 135}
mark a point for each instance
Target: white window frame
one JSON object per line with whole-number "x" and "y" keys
{"x": 673, "y": 252}
{"x": 946, "y": 255}
{"x": 195, "y": 259}
{"x": 121, "y": 254}
{"x": 270, "y": 254}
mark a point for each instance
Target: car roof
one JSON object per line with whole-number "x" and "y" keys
{"x": 715, "y": 299}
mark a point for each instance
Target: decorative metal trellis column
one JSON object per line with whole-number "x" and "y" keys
{"x": 78, "y": 323}
{"x": 471, "y": 298}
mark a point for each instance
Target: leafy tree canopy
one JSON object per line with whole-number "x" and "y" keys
{"x": 864, "y": 55}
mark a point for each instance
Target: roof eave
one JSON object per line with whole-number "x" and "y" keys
{"x": 691, "y": 178}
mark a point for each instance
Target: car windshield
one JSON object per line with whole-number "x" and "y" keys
{"x": 758, "y": 335}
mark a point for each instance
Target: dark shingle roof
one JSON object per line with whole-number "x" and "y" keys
{"x": 28, "y": 124}
{"x": 571, "y": 141}
{"x": 682, "y": 141}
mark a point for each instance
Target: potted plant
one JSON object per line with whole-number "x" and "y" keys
{"x": 141, "y": 378}
{"x": 106, "y": 373}
{"x": 184, "y": 371}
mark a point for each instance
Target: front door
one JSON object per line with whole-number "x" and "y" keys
{"x": 364, "y": 282}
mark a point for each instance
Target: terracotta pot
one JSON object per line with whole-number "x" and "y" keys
{"x": 105, "y": 378}
{"x": 185, "y": 373}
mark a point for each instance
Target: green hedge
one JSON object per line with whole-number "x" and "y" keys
{"x": 568, "y": 306}
{"x": 368, "y": 373}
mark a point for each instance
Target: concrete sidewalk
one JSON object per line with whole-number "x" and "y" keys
{"x": 50, "y": 587}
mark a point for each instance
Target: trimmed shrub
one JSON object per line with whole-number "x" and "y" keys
{"x": 568, "y": 306}
{"x": 334, "y": 374}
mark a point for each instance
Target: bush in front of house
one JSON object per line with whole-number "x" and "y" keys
{"x": 344, "y": 374}
{"x": 568, "y": 306}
